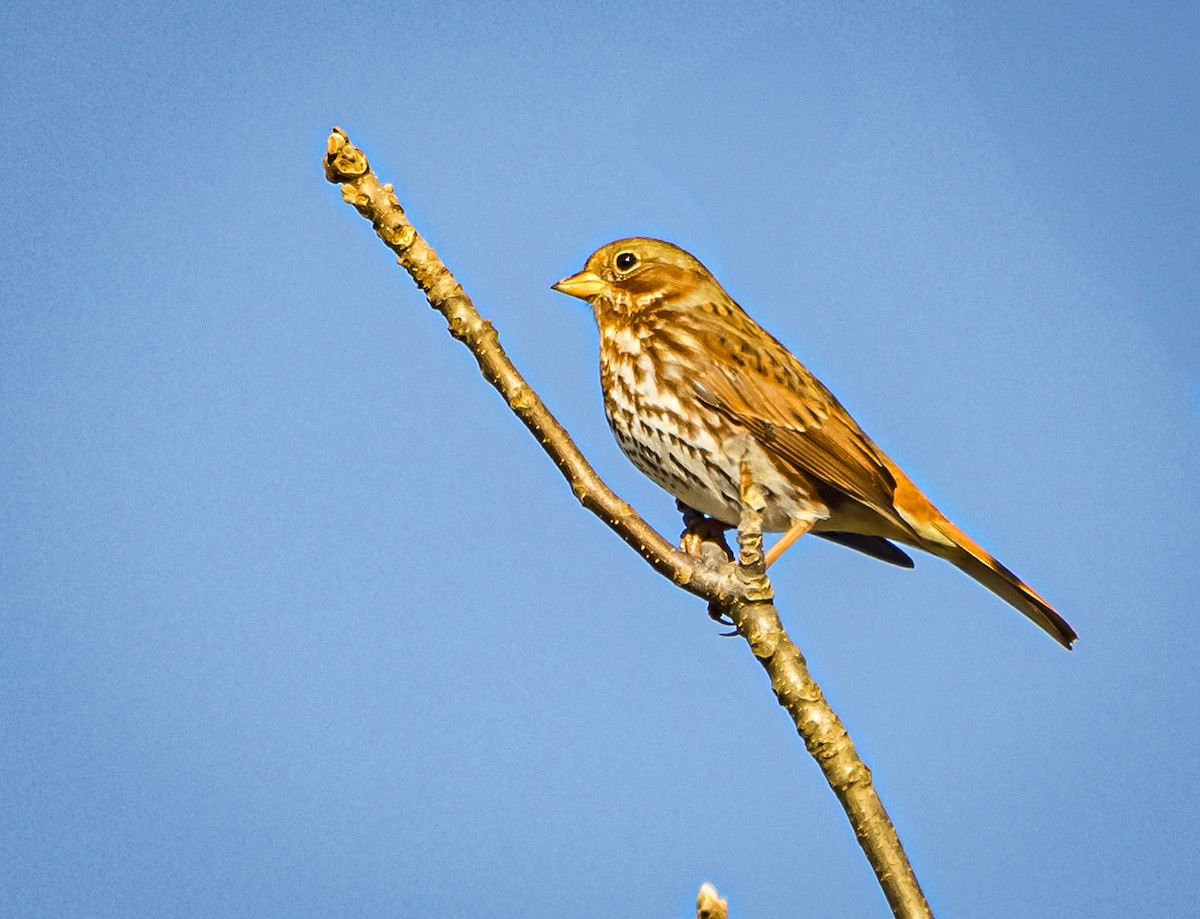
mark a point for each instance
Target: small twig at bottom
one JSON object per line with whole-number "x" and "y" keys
{"x": 710, "y": 904}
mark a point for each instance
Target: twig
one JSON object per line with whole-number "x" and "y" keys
{"x": 737, "y": 591}
{"x": 710, "y": 904}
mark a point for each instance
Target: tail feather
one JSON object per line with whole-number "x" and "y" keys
{"x": 968, "y": 556}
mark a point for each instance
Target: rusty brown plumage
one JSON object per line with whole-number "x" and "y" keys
{"x": 695, "y": 390}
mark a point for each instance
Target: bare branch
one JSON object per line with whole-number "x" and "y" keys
{"x": 740, "y": 592}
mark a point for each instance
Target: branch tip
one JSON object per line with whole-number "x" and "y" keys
{"x": 710, "y": 904}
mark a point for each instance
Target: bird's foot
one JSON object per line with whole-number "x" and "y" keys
{"x": 703, "y": 537}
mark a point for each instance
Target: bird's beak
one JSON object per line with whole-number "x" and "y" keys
{"x": 584, "y": 285}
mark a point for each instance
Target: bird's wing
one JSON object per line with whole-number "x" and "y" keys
{"x": 794, "y": 417}
{"x": 874, "y": 546}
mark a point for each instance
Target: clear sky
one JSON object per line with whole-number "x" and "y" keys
{"x": 296, "y": 619}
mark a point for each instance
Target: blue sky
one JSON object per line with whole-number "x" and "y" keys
{"x": 298, "y": 621}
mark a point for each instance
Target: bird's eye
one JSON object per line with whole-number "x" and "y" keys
{"x": 625, "y": 261}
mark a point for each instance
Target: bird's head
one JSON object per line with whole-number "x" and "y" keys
{"x": 635, "y": 274}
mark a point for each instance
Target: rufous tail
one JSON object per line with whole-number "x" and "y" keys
{"x": 969, "y": 556}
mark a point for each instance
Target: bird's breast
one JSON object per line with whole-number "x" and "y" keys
{"x": 681, "y": 444}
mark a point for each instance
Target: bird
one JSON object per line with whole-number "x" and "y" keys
{"x": 697, "y": 393}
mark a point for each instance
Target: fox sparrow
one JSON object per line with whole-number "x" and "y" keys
{"x": 696, "y": 391}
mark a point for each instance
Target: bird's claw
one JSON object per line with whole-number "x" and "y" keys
{"x": 715, "y": 614}
{"x": 699, "y": 530}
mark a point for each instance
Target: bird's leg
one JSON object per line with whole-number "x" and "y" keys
{"x": 794, "y": 532}
{"x": 698, "y": 530}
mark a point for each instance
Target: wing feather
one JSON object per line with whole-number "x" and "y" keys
{"x": 762, "y": 387}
